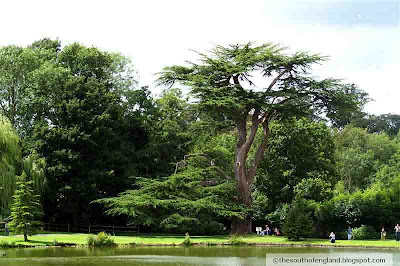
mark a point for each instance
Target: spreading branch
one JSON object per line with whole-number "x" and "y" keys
{"x": 276, "y": 79}
{"x": 211, "y": 161}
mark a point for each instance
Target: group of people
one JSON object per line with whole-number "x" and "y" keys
{"x": 268, "y": 231}
{"x": 332, "y": 236}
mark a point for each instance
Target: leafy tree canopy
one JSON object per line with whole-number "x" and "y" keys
{"x": 222, "y": 82}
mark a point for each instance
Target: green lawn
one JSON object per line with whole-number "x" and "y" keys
{"x": 80, "y": 239}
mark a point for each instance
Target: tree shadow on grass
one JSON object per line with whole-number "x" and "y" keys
{"x": 35, "y": 242}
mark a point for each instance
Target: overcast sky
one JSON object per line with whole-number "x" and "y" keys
{"x": 362, "y": 37}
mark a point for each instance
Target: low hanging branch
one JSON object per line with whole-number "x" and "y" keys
{"x": 210, "y": 182}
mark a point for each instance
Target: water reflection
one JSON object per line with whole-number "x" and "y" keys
{"x": 160, "y": 256}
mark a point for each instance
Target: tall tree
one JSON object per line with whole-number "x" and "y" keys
{"x": 223, "y": 85}
{"x": 82, "y": 130}
{"x": 25, "y": 209}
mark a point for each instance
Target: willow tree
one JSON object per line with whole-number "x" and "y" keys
{"x": 223, "y": 83}
{"x": 10, "y": 156}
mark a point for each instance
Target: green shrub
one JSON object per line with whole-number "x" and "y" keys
{"x": 187, "y": 242}
{"x": 365, "y": 232}
{"x": 90, "y": 240}
{"x": 298, "y": 224}
{"x": 341, "y": 235}
{"x": 102, "y": 239}
{"x": 236, "y": 240}
{"x": 6, "y": 244}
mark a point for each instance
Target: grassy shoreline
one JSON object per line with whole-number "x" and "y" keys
{"x": 58, "y": 239}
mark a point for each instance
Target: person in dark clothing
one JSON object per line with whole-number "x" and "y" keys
{"x": 397, "y": 232}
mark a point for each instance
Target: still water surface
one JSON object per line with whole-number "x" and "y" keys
{"x": 162, "y": 256}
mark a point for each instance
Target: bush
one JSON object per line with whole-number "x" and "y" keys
{"x": 298, "y": 224}
{"x": 90, "y": 240}
{"x": 6, "y": 244}
{"x": 102, "y": 239}
{"x": 236, "y": 240}
{"x": 365, "y": 232}
{"x": 187, "y": 242}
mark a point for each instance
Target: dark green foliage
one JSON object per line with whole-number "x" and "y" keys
{"x": 298, "y": 223}
{"x": 376, "y": 206}
{"x": 170, "y": 134}
{"x": 342, "y": 116}
{"x": 25, "y": 209}
{"x": 298, "y": 149}
{"x": 365, "y": 232}
{"x": 181, "y": 202}
{"x": 196, "y": 199}
{"x": 387, "y": 123}
{"x": 278, "y": 216}
{"x": 314, "y": 189}
{"x": 82, "y": 130}
{"x": 178, "y": 203}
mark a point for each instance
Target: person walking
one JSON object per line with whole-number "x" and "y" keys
{"x": 349, "y": 233}
{"x": 383, "y": 234}
{"x": 7, "y": 231}
{"x": 397, "y": 232}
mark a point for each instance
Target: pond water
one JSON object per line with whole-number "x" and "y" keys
{"x": 164, "y": 256}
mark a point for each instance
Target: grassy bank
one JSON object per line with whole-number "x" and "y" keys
{"x": 51, "y": 239}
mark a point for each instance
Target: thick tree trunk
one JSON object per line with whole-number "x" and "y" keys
{"x": 25, "y": 237}
{"x": 244, "y": 174}
{"x": 243, "y": 187}
{"x": 242, "y": 227}
{"x": 75, "y": 217}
